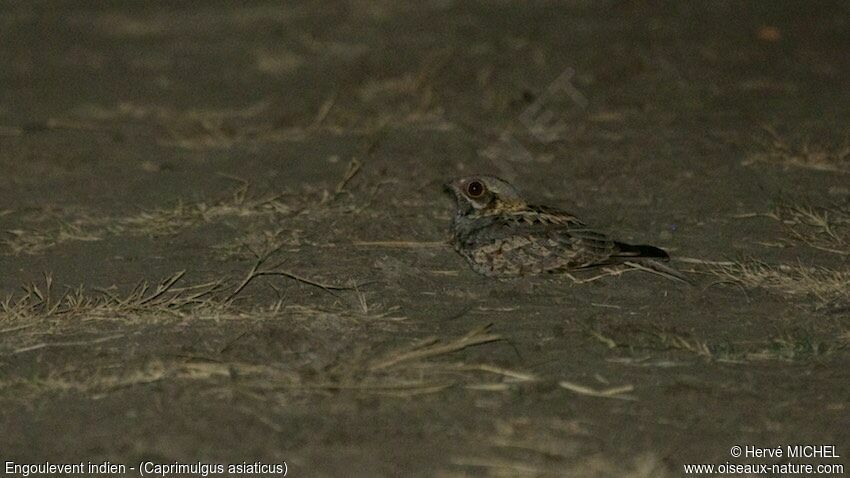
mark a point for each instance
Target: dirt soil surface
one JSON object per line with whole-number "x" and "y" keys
{"x": 223, "y": 235}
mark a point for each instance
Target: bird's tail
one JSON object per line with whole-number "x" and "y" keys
{"x": 628, "y": 251}
{"x": 649, "y": 258}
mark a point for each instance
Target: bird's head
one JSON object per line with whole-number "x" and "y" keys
{"x": 484, "y": 194}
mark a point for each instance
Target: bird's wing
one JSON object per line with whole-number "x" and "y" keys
{"x": 587, "y": 246}
{"x": 538, "y": 241}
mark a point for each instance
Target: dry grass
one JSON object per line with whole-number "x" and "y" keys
{"x": 794, "y": 347}
{"x": 258, "y": 238}
{"x": 75, "y": 319}
{"x": 165, "y": 298}
{"x": 408, "y": 371}
{"x": 656, "y": 338}
{"x": 257, "y": 271}
{"x": 788, "y": 346}
{"x": 676, "y": 341}
{"x": 214, "y": 299}
{"x": 827, "y": 287}
{"x": 521, "y": 447}
{"x": 20, "y": 241}
{"x": 611, "y": 392}
{"x": 83, "y": 381}
{"x": 823, "y": 228}
{"x": 651, "y": 267}
{"x": 239, "y": 203}
{"x": 415, "y": 370}
{"x": 432, "y": 347}
{"x": 777, "y": 150}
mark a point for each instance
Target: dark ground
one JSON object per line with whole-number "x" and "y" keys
{"x": 143, "y": 139}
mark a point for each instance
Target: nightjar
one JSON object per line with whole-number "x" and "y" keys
{"x": 501, "y": 235}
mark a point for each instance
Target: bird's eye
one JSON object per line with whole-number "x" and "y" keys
{"x": 475, "y": 189}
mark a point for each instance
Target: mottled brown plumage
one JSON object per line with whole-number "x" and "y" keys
{"x": 501, "y": 235}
